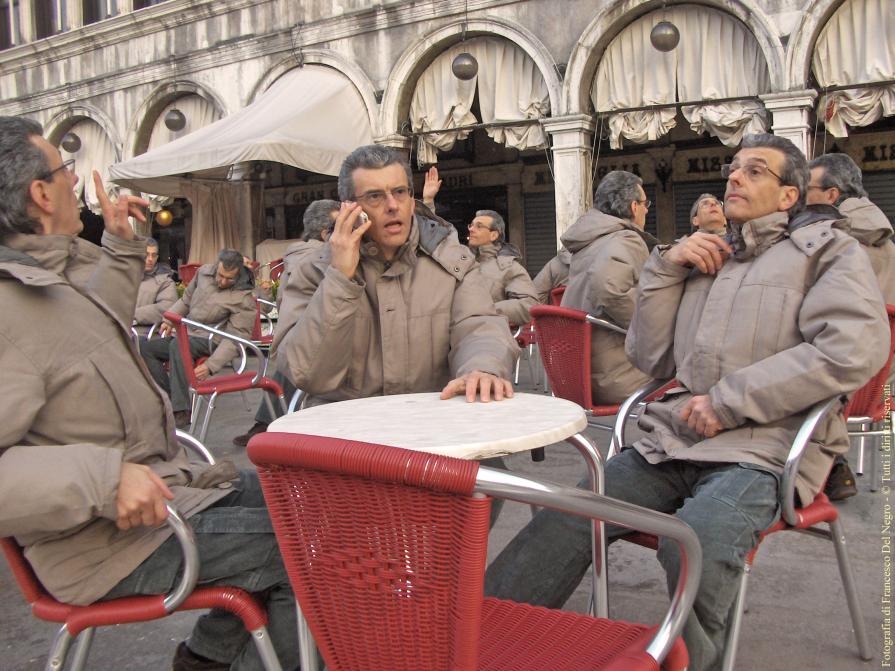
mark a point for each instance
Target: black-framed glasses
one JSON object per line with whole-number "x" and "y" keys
{"x": 646, "y": 203}
{"x": 478, "y": 225}
{"x": 374, "y": 199}
{"x": 68, "y": 165}
{"x": 752, "y": 170}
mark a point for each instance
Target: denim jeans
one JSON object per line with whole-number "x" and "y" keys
{"x": 727, "y": 505}
{"x": 156, "y": 351}
{"x": 237, "y": 547}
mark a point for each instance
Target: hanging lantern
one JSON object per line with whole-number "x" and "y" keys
{"x": 174, "y": 119}
{"x": 71, "y": 142}
{"x": 465, "y": 66}
{"x": 164, "y": 218}
{"x": 665, "y": 36}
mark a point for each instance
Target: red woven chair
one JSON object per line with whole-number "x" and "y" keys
{"x": 804, "y": 519}
{"x": 222, "y": 384}
{"x": 276, "y": 269}
{"x": 79, "y": 622}
{"x": 564, "y": 339}
{"x": 556, "y": 294}
{"x": 187, "y": 271}
{"x": 869, "y": 407}
{"x": 386, "y": 549}
{"x": 262, "y": 335}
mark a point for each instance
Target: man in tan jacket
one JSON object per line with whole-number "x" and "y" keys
{"x": 392, "y": 304}
{"x": 220, "y": 293}
{"x": 608, "y": 251}
{"x": 707, "y": 215}
{"x": 157, "y": 291}
{"x": 555, "y": 273}
{"x": 88, "y": 455}
{"x": 837, "y": 180}
{"x": 510, "y": 286}
{"x": 756, "y": 332}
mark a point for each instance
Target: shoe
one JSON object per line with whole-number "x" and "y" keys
{"x": 243, "y": 440}
{"x": 182, "y": 419}
{"x": 840, "y": 483}
{"x": 187, "y": 660}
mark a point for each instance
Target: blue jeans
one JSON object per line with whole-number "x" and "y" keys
{"x": 237, "y": 547}
{"x": 727, "y": 505}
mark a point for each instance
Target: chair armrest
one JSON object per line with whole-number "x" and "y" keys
{"x": 190, "y": 443}
{"x": 618, "y": 430}
{"x": 605, "y": 324}
{"x": 266, "y": 302}
{"x": 184, "y": 534}
{"x": 244, "y": 344}
{"x": 791, "y": 469}
{"x": 506, "y": 485}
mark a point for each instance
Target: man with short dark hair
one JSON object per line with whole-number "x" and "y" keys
{"x": 220, "y": 293}
{"x": 157, "y": 291}
{"x": 752, "y": 355}
{"x": 608, "y": 251}
{"x": 707, "y": 215}
{"x": 510, "y": 286}
{"x": 88, "y": 455}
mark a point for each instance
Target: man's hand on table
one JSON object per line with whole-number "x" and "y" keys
{"x": 141, "y": 497}
{"x": 701, "y": 417}
{"x": 485, "y": 384}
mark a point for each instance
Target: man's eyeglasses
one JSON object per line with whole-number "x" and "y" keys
{"x": 645, "y": 203}
{"x": 479, "y": 226}
{"x": 374, "y": 199}
{"x": 752, "y": 171}
{"x": 68, "y": 165}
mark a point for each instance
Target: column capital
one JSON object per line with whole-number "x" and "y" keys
{"x": 573, "y": 122}
{"x": 788, "y": 99}
{"x": 395, "y": 141}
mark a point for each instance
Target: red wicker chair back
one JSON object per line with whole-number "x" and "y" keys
{"x": 187, "y": 271}
{"x": 564, "y": 342}
{"x": 870, "y": 400}
{"x": 276, "y": 269}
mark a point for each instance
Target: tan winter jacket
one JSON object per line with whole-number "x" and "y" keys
{"x": 793, "y": 318}
{"x": 552, "y": 275}
{"x": 510, "y": 286}
{"x": 235, "y": 306}
{"x": 607, "y": 256}
{"x": 77, "y": 400}
{"x": 868, "y": 225}
{"x": 408, "y": 326}
{"x": 157, "y": 293}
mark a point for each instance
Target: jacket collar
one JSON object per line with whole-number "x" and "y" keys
{"x": 755, "y": 236}
{"x": 37, "y": 260}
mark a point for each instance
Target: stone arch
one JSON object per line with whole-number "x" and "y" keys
{"x": 411, "y": 64}
{"x": 615, "y": 15}
{"x": 156, "y": 101}
{"x": 59, "y": 124}
{"x": 334, "y": 60}
{"x": 800, "y": 48}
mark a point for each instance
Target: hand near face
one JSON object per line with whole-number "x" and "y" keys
{"x": 115, "y": 213}
{"x": 705, "y": 251}
{"x": 484, "y": 384}
{"x": 431, "y": 186}
{"x": 345, "y": 239}
{"x": 141, "y": 497}
{"x": 700, "y": 416}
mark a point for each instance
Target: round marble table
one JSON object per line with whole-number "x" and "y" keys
{"x": 453, "y": 427}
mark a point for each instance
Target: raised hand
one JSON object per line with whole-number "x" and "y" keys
{"x": 345, "y": 239}
{"x": 115, "y": 213}
{"x": 431, "y": 187}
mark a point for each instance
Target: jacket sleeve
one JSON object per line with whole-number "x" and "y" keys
{"x": 521, "y": 296}
{"x": 117, "y": 276}
{"x": 316, "y": 328}
{"x": 613, "y": 284}
{"x": 843, "y": 322}
{"x": 545, "y": 280}
{"x": 47, "y": 488}
{"x": 165, "y": 297}
{"x": 649, "y": 344}
{"x": 480, "y": 338}
{"x": 241, "y": 322}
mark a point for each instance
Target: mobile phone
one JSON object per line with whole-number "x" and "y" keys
{"x": 361, "y": 219}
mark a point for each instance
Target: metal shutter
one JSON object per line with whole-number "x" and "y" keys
{"x": 540, "y": 230}
{"x": 880, "y": 187}
{"x": 685, "y": 194}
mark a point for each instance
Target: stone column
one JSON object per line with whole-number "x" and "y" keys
{"x": 396, "y": 141}
{"x": 791, "y": 116}
{"x": 572, "y": 155}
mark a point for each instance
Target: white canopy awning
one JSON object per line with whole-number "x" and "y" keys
{"x": 310, "y": 118}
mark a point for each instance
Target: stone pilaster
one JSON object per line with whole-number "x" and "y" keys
{"x": 572, "y": 142}
{"x": 791, "y": 118}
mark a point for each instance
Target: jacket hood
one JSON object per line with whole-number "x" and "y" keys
{"x": 564, "y": 255}
{"x": 867, "y": 223}
{"x": 160, "y": 270}
{"x": 590, "y": 226}
{"x": 10, "y": 255}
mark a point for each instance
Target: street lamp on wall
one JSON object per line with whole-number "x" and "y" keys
{"x": 464, "y": 65}
{"x": 71, "y": 142}
{"x": 665, "y": 36}
{"x": 175, "y": 120}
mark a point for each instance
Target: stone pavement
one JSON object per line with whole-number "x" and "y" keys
{"x": 797, "y": 616}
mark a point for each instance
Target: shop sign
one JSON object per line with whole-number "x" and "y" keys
{"x": 700, "y": 165}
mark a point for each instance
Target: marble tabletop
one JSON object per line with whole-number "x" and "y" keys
{"x": 453, "y": 427}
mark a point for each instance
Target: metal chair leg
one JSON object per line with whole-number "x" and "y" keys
{"x": 307, "y": 647}
{"x": 851, "y": 592}
{"x": 268, "y": 655}
{"x": 296, "y": 402}
{"x": 736, "y": 621}
{"x": 859, "y": 442}
{"x": 58, "y": 650}
{"x": 82, "y": 649}
{"x": 206, "y": 419}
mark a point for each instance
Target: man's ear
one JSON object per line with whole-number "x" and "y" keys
{"x": 40, "y": 197}
{"x": 493, "y": 235}
{"x": 789, "y": 196}
{"x": 632, "y": 210}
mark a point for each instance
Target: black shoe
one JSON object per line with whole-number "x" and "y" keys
{"x": 187, "y": 660}
{"x": 182, "y": 419}
{"x": 841, "y": 483}
{"x": 243, "y": 440}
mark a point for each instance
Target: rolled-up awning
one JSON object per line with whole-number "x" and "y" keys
{"x": 310, "y": 118}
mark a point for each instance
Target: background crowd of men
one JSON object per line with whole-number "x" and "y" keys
{"x": 784, "y": 281}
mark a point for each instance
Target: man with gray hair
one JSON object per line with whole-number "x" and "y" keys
{"x": 157, "y": 291}
{"x": 608, "y": 252}
{"x": 707, "y": 215}
{"x": 751, "y": 356}
{"x": 508, "y": 282}
{"x": 220, "y": 293}
{"x": 836, "y": 180}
